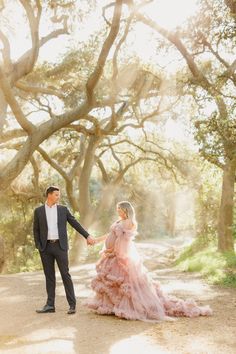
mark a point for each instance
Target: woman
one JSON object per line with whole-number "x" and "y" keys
{"x": 122, "y": 285}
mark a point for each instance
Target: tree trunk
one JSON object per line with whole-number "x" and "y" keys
{"x": 171, "y": 211}
{"x": 84, "y": 193}
{"x": 3, "y": 110}
{"x": 72, "y": 196}
{"x": 225, "y": 222}
{"x": 171, "y": 220}
{"x": 106, "y": 207}
{"x": 84, "y": 200}
{"x": 44, "y": 131}
{"x": 1, "y": 254}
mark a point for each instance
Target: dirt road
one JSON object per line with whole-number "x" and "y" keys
{"x": 24, "y": 331}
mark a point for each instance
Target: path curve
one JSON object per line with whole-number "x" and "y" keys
{"x": 24, "y": 331}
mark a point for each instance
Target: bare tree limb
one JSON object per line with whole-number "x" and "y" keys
{"x": 76, "y": 168}
{"x": 52, "y": 163}
{"x": 12, "y": 134}
{"x": 173, "y": 38}
{"x": 95, "y": 76}
{"x": 101, "y": 166}
{"x": 34, "y": 29}
{"x": 10, "y": 99}
{"x": 35, "y": 178}
{"x": 38, "y": 90}
{"x": 20, "y": 67}
{"x": 6, "y": 51}
{"x": 197, "y": 74}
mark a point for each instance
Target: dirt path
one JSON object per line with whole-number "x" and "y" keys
{"x": 24, "y": 331}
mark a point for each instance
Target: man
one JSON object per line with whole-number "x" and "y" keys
{"x": 50, "y": 235}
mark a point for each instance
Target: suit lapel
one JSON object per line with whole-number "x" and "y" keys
{"x": 44, "y": 215}
{"x": 58, "y": 218}
{"x": 58, "y": 212}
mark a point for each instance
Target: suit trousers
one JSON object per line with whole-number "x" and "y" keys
{"x": 52, "y": 253}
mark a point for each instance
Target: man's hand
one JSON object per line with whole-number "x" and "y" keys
{"x": 90, "y": 240}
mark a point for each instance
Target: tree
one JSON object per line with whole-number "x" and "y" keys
{"x": 212, "y": 81}
{"x": 121, "y": 97}
{"x": 2, "y": 257}
{"x": 35, "y": 135}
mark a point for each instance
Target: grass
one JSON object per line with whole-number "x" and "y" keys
{"x": 217, "y": 268}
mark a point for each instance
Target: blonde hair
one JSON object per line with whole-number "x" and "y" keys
{"x": 128, "y": 209}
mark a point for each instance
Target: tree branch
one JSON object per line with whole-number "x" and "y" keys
{"x": 34, "y": 29}
{"x": 53, "y": 163}
{"x": 37, "y": 89}
{"x": 173, "y": 38}
{"x": 19, "y": 68}
{"x": 10, "y": 99}
{"x": 76, "y": 168}
{"x": 104, "y": 173}
{"x": 6, "y": 52}
{"x": 95, "y": 76}
{"x": 12, "y": 134}
{"x": 35, "y": 178}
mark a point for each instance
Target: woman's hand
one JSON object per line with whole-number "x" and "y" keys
{"x": 100, "y": 239}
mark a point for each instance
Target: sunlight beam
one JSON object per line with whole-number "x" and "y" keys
{"x": 171, "y": 13}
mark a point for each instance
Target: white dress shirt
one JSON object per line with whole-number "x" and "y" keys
{"x": 51, "y": 215}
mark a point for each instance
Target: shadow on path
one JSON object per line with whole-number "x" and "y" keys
{"x": 24, "y": 331}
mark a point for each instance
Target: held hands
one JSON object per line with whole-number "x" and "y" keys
{"x": 90, "y": 241}
{"x": 101, "y": 238}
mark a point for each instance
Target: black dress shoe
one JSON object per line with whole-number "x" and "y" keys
{"x": 71, "y": 310}
{"x": 46, "y": 309}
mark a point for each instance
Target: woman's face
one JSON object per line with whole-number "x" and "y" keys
{"x": 121, "y": 213}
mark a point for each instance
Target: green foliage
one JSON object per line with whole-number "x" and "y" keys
{"x": 146, "y": 184}
{"x": 234, "y": 223}
{"x": 93, "y": 252}
{"x": 26, "y": 259}
{"x": 207, "y": 200}
{"x": 214, "y": 145}
{"x": 212, "y": 26}
{"x": 216, "y": 267}
{"x": 16, "y": 230}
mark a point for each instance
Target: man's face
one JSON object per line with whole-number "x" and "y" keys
{"x": 54, "y": 197}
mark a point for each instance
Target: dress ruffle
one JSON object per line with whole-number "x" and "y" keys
{"x": 123, "y": 287}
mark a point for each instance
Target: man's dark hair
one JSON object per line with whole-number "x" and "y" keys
{"x": 51, "y": 189}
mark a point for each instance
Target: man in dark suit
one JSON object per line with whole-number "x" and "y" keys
{"x": 50, "y": 235}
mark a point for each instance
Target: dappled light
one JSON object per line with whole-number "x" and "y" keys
{"x": 47, "y": 341}
{"x": 117, "y": 131}
{"x": 138, "y": 345}
{"x": 56, "y": 333}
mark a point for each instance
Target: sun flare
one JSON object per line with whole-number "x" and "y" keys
{"x": 171, "y": 13}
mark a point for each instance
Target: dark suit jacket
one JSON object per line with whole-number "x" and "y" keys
{"x": 40, "y": 227}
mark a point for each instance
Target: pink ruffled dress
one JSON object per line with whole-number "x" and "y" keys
{"x": 124, "y": 289}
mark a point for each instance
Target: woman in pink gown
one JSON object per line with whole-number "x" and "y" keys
{"x": 122, "y": 285}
